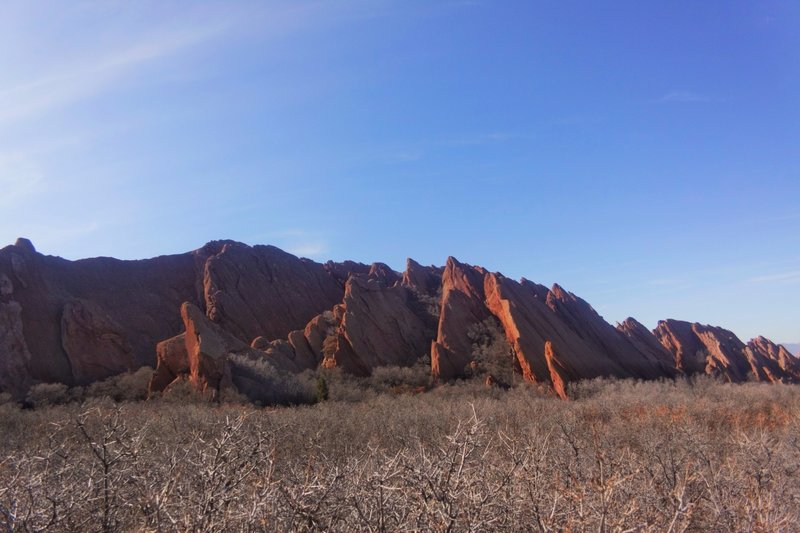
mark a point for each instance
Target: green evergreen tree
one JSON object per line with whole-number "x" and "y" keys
{"x": 322, "y": 389}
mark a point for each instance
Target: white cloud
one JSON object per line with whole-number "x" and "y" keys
{"x": 308, "y": 249}
{"x": 683, "y": 96}
{"x": 782, "y": 277}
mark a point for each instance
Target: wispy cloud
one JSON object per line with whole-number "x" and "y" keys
{"x": 296, "y": 241}
{"x": 308, "y": 249}
{"x": 684, "y": 97}
{"x": 792, "y": 276}
{"x": 93, "y": 74}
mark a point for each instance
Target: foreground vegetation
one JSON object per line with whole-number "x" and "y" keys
{"x": 619, "y": 456}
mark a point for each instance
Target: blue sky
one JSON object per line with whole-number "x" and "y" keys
{"x": 645, "y": 155}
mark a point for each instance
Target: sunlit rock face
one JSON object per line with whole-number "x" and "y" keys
{"x": 701, "y": 349}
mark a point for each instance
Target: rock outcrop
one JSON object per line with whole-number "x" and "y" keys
{"x": 246, "y": 318}
{"x": 86, "y": 332}
{"x": 213, "y": 361}
{"x": 14, "y": 354}
{"x": 264, "y": 291}
{"x": 424, "y": 279}
{"x": 701, "y": 349}
{"x": 86, "y": 320}
{"x": 556, "y": 336}
{"x": 83, "y": 321}
{"x": 647, "y": 344}
{"x": 378, "y": 328}
{"x": 463, "y": 306}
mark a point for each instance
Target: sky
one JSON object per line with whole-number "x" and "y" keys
{"x": 644, "y": 155}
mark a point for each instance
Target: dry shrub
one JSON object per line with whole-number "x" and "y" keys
{"x": 44, "y": 394}
{"x": 129, "y": 386}
{"x": 621, "y": 456}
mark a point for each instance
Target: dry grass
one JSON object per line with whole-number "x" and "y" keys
{"x": 621, "y": 456}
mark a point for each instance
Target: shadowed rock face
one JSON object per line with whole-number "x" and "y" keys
{"x": 264, "y": 291}
{"x": 647, "y": 344}
{"x": 86, "y": 330}
{"x": 81, "y": 321}
{"x": 425, "y": 279}
{"x": 85, "y": 320}
{"x": 379, "y": 327}
{"x": 226, "y": 308}
{"x": 14, "y": 354}
{"x": 211, "y": 359}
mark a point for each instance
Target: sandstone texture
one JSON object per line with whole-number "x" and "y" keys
{"x": 213, "y": 361}
{"x": 264, "y": 291}
{"x": 229, "y": 316}
{"x": 81, "y": 321}
{"x": 701, "y": 349}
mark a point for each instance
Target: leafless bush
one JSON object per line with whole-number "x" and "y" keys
{"x": 622, "y": 456}
{"x": 261, "y": 382}
{"x": 129, "y": 386}
{"x": 45, "y": 394}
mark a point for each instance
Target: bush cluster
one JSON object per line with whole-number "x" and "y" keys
{"x": 621, "y": 456}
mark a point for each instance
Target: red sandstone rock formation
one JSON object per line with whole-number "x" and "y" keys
{"x": 263, "y": 291}
{"x": 700, "y": 349}
{"x": 556, "y": 371}
{"x": 14, "y": 354}
{"x": 86, "y": 331}
{"x": 462, "y": 307}
{"x": 212, "y": 360}
{"x": 172, "y": 362}
{"x": 534, "y": 317}
{"x": 81, "y": 321}
{"x": 647, "y": 344}
{"x": 384, "y": 274}
{"x": 379, "y": 325}
{"x": 426, "y": 280}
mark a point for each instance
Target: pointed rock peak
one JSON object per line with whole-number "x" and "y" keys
{"x": 411, "y": 264}
{"x": 765, "y": 346}
{"x": 671, "y": 323}
{"x": 557, "y": 292}
{"x": 427, "y": 279}
{"x": 356, "y": 282}
{"x": 25, "y": 245}
{"x": 453, "y": 263}
{"x": 464, "y": 278}
{"x": 383, "y": 273}
{"x": 631, "y": 324}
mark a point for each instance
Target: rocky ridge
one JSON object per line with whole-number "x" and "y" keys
{"x": 226, "y": 315}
